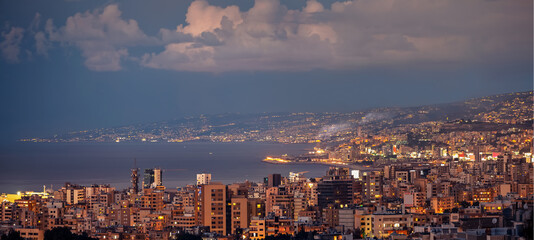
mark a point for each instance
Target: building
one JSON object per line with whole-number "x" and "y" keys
{"x": 336, "y": 188}
{"x": 148, "y": 179}
{"x": 213, "y": 202}
{"x": 203, "y": 178}
{"x": 257, "y": 228}
{"x": 279, "y": 226}
{"x": 274, "y": 180}
{"x": 442, "y": 204}
{"x": 240, "y": 212}
{"x": 414, "y": 199}
{"x": 158, "y": 178}
{"x": 346, "y": 219}
{"x": 152, "y": 199}
{"x": 383, "y": 225}
{"x": 74, "y": 194}
{"x": 372, "y": 186}
{"x": 279, "y": 201}
{"x": 31, "y": 233}
{"x": 135, "y": 180}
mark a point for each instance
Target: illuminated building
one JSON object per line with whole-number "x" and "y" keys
{"x": 524, "y": 190}
{"x": 296, "y": 177}
{"x": 381, "y": 225}
{"x": 152, "y": 199}
{"x": 330, "y": 216}
{"x": 483, "y": 194}
{"x": 257, "y": 228}
{"x": 240, "y": 212}
{"x": 186, "y": 221}
{"x": 279, "y": 226}
{"x": 372, "y": 186}
{"x": 335, "y": 188}
{"x": 442, "y": 204}
{"x": 120, "y": 216}
{"x": 279, "y": 201}
{"x": 257, "y": 207}
{"x": 299, "y": 204}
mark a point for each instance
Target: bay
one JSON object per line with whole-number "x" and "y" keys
{"x": 29, "y": 166}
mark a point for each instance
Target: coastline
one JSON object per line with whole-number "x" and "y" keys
{"x": 276, "y": 161}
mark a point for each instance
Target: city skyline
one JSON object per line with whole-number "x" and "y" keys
{"x": 102, "y": 64}
{"x": 266, "y": 119}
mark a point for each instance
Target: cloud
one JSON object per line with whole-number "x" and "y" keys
{"x": 202, "y": 17}
{"x": 313, "y": 6}
{"x": 42, "y": 45}
{"x": 266, "y": 37}
{"x": 102, "y": 36}
{"x": 35, "y": 23}
{"x": 348, "y": 35}
{"x": 10, "y": 46}
{"x": 271, "y": 37}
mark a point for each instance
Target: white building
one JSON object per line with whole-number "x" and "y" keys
{"x": 203, "y": 178}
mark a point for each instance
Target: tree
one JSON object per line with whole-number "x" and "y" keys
{"x": 187, "y": 236}
{"x": 279, "y": 237}
{"x": 358, "y": 233}
{"x": 64, "y": 233}
{"x": 12, "y": 235}
{"x": 465, "y": 204}
{"x": 302, "y": 235}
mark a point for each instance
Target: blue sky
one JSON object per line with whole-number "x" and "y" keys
{"x": 71, "y": 65}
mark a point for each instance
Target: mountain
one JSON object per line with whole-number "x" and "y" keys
{"x": 497, "y": 110}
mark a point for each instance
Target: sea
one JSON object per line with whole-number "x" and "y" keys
{"x": 30, "y": 166}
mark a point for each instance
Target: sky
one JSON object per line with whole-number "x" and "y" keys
{"x": 80, "y": 64}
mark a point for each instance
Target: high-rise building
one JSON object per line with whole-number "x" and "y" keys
{"x": 336, "y": 188}
{"x": 158, "y": 179}
{"x": 203, "y": 178}
{"x": 148, "y": 178}
{"x": 152, "y": 199}
{"x": 372, "y": 186}
{"x": 477, "y": 154}
{"x": 135, "y": 180}
{"x": 240, "y": 213}
{"x": 213, "y": 202}
{"x": 279, "y": 200}
{"x": 275, "y": 180}
{"x": 74, "y": 194}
